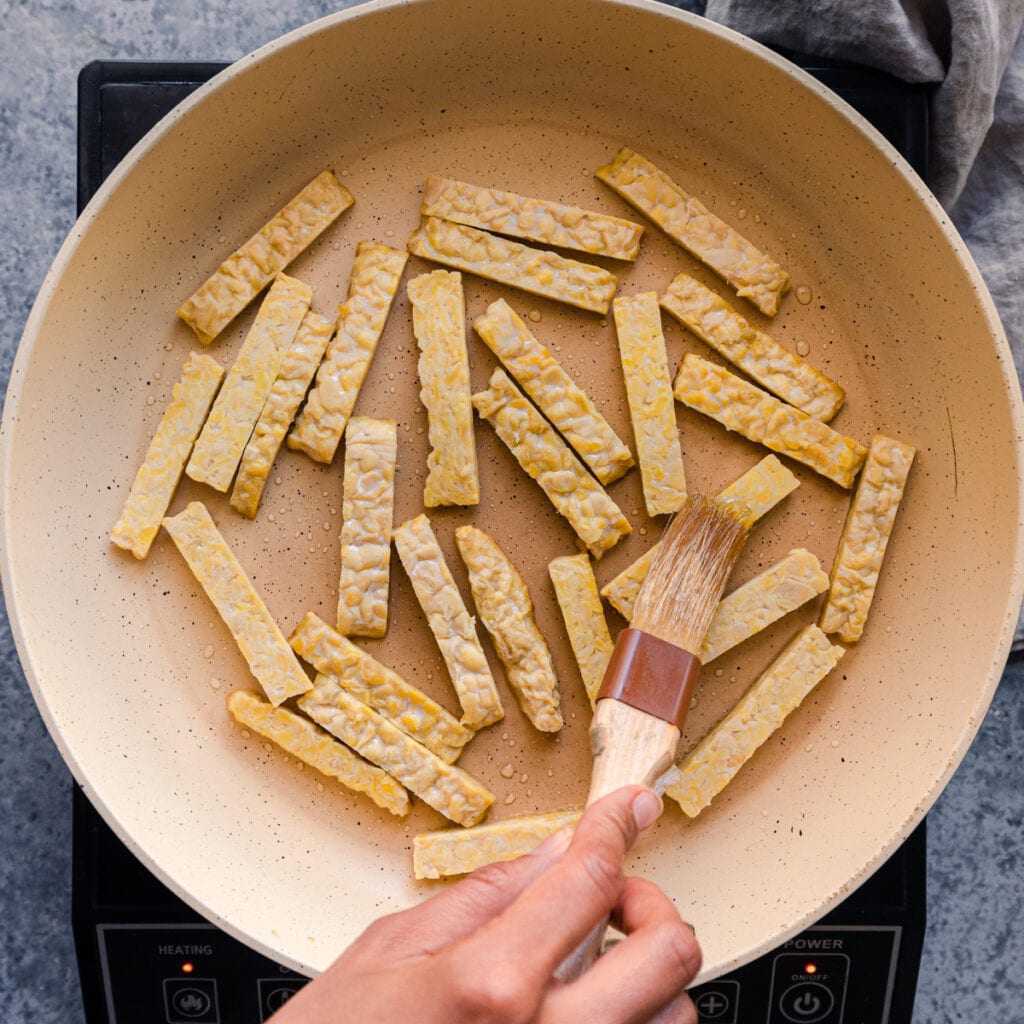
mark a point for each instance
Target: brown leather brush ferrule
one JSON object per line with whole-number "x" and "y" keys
{"x": 651, "y": 675}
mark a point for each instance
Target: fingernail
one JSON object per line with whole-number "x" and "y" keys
{"x": 646, "y": 808}
{"x": 555, "y": 844}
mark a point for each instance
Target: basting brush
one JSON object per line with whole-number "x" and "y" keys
{"x": 647, "y": 687}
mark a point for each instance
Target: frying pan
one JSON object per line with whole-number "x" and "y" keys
{"x": 128, "y": 661}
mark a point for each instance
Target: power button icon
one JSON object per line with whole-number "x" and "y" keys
{"x": 806, "y": 1002}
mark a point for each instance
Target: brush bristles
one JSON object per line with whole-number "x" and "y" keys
{"x": 688, "y": 575}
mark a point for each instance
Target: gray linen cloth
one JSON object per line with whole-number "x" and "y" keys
{"x": 974, "y": 51}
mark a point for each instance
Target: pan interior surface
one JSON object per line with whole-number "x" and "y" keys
{"x": 128, "y": 660}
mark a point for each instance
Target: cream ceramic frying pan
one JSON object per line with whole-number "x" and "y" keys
{"x": 127, "y": 660}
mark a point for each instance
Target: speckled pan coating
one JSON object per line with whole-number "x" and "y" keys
{"x": 123, "y": 656}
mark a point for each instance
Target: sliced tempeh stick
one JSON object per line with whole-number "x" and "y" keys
{"x": 245, "y": 391}
{"x": 158, "y": 476}
{"x": 756, "y": 492}
{"x": 248, "y": 270}
{"x": 378, "y": 686}
{"x": 536, "y": 220}
{"x": 597, "y": 520}
{"x": 651, "y": 408}
{"x": 297, "y": 369}
{"x": 361, "y": 318}
{"x": 712, "y": 764}
{"x": 214, "y": 565}
{"x": 457, "y": 851}
{"x": 865, "y": 537}
{"x": 451, "y": 624}
{"x": 520, "y": 266}
{"x": 505, "y": 608}
{"x": 311, "y": 745}
{"x": 762, "y": 600}
{"x": 450, "y": 790}
{"x": 371, "y": 451}
{"x": 576, "y": 590}
{"x": 687, "y": 221}
{"x": 717, "y": 324}
{"x": 568, "y": 408}
{"x": 439, "y": 323}
{"x": 761, "y": 418}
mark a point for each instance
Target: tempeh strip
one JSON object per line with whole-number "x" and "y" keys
{"x": 585, "y": 624}
{"x": 865, "y": 536}
{"x": 311, "y": 745}
{"x": 259, "y": 639}
{"x": 286, "y": 394}
{"x": 761, "y": 418}
{"x": 371, "y": 451}
{"x": 361, "y": 318}
{"x": 537, "y": 271}
{"x": 439, "y": 323}
{"x": 568, "y": 408}
{"x": 713, "y": 763}
{"x": 158, "y": 477}
{"x": 777, "y": 591}
{"x": 651, "y": 408}
{"x": 451, "y": 624}
{"x": 375, "y": 684}
{"x": 505, "y": 608}
{"x": 450, "y": 790}
{"x": 536, "y": 220}
{"x": 457, "y": 851}
{"x": 247, "y": 386}
{"x": 688, "y": 222}
{"x": 248, "y": 270}
{"x": 756, "y": 492}
{"x": 597, "y": 520}
{"x": 717, "y": 324}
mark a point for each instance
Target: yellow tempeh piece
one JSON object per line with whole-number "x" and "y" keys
{"x": 651, "y": 408}
{"x": 688, "y": 222}
{"x": 505, "y": 608}
{"x": 286, "y": 394}
{"x": 372, "y": 286}
{"x": 756, "y": 492}
{"x": 450, "y": 790}
{"x": 713, "y": 763}
{"x": 158, "y": 477}
{"x": 537, "y": 271}
{"x": 311, "y": 745}
{"x": 248, "y": 270}
{"x": 439, "y": 323}
{"x": 597, "y": 520}
{"x": 568, "y": 408}
{"x": 457, "y": 851}
{"x": 371, "y": 451}
{"x": 376, "y": 685}
{"x": 241, "y": 399}
{"x": 762, "y": 418}
{"x": 453, "y": 627}
{"x": 717, "y": 324}
{"x": 536, "y": 220}
{"x": 259, "y": 639}
{"x": 762, "y": 600}
{"x": 865, "y": 537}
{"x": 585, "y": 624}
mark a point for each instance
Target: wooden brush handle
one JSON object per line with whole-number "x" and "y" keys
{"x": 630, "y": 747}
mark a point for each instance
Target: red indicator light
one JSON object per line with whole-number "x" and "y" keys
{"x": 810, "y": 969}
{"x": 188, "y": 967}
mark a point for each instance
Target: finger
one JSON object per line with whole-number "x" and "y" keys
{"x": 564, "y": 903}
{"x": 462, "y": 908}
{"x": 680, "y": 1011}
{"x": 659, "y": 956}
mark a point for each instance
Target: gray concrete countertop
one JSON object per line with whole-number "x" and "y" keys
{"x": 973, "y": 949}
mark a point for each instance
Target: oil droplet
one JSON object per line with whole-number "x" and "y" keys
{"x": 222, "y": 239}
{"x": 642, "y": 531}
{"x": 835, "y": 743}
{"x": 604, "y": 323}
{"x": 511, "y": 743}
{"x": 246, "y": 735}
{"x": 167, "y": 347}
{"x": 511, "y": 798}
{"x": 719, "y": 672}
{"x": 741, "y": 214}
{"x": 156, "y": 376}
{"x": 215, "y": 683}
{"x": 326, "y": 525}
{"x": 389, "y": 233}
{"x": 809, "y": 747}
{"x": 277, "y": 480}
{"x": 320, "y": 786}
{"x": 312, "y": 551}
{"x": 732, "y": 202}
{"x": 507, "y": 771}
{"x": 271, "y": 518}
{"x": 334, "y": 511}
{"x": 635, "y": 512}
{"x": 732, "y": 679}
{"x": 391, "y": 376}
{"x": 336, "y": 246}
{"x": 551, "y": 774}
{"x": 802, "y": 348}
{"x": 208, "y": 651}
{"x": 693, "y": 702}
{"x": 764, "y": 813}
{"x": 299, "y": 765}
{"x": 150, "y": 400}
{"x": 803, "y": 294}
{"x": 267, "y": 747}
{"x": 529, "y": 792}
{"x": 504, "y": 735}
{"x": 535, "y": 316}
{"x": 757, "y": 218}
{"x": 524, "y": 777}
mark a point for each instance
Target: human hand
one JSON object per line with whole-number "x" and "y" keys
{"x": 485, "y": 949}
